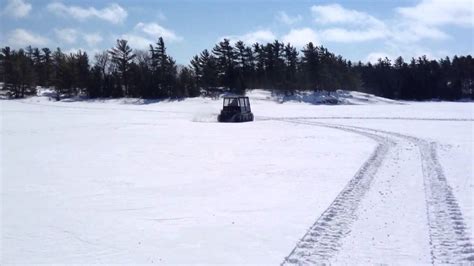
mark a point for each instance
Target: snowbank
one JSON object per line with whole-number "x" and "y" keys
{"x": 320, "y": 97}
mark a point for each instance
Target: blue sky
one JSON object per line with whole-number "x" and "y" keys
{"x": 358, "y": 30}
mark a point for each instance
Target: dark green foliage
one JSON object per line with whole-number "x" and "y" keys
{"x": 18, "y": 73}
{"x": 226, "y": 65}
{"x": 123, "y": 72}
{"x": 186, "y": 83}
{"x": 122, "y": 57}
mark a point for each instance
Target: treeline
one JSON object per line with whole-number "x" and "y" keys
{"x": 124, "y": 72}
{"x": 118, "y": 72}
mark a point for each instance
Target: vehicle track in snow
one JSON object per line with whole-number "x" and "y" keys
{"x": 89, "y": 108}
{"x": 257, "y": 117}
{"x": 448, "y": 233}
{"x": 322, "y": 240}
{"x": 367, "y": 118}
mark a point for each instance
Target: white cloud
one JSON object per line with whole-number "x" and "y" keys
{"x": 144, "y": 34}
{"x": 67, "y": 35}
{"x": 392, "y": 50}
{"x": 113, "y": 13}
{"x": 424, "y": 21}
{"x": 401, "y": 35}
{"x": 414, "y": 32}
{"x": 375, "y": 56}
{"x": 301, "y": 37}
{"x": 17, "y": 8}
{"x": 72, "y": 36}
{"x": 72, "y": 50}
{"x": 410, "y": 50}
{"x": 92, "y": 39}
{"x": 75, "y": 50}
{"x": 345, "y": 35}
{"x": 154, "y": 30}
{"x": 260, "y": 36}
{"x": 284, "y": 18}
{"x": 22, "y": 38}
{"x": 336, "y": 14}
{"x": 440, "y": 12}
{"x": 356, "y": 26}
{"x": 137, "y": 41}
{"x": 405, "y": 34}
{"x": 352, "y": 25}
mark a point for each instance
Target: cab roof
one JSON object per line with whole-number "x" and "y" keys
{"x": 233, "y": 97}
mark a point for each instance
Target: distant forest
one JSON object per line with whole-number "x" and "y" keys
{"x": 124, "y": 72}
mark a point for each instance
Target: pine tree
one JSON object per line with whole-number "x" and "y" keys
{"x": 291, "y": 66}
{"x": 310, "y": 66}
{"x": 122, "y": 57}
{"x": 46, "y": 61}
{"x": 153, "y": 73}
{"x": 101, "y": 72}
{"x": 82, "y": 69}
{"x": 64, "y": 74}
{"x": 260, "y": 70}
{"x": 6, "y": 67}
{"x": 163, "y": 69}
{"x": 208, "y": 70}
{"x": 244, "y": 65}
{"x": 226, "y": 65}
{"x": 186, "y": 83}
{"x": 279, "y": 69}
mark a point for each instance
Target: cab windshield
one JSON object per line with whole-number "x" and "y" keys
{"x": 231, "y": 102}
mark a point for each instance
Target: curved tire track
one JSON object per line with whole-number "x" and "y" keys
{"x": 450, "y": 240}
{"x": 322, "y": 240}
{"x": 367, "y": 118}
{"x": 449, "y": 234}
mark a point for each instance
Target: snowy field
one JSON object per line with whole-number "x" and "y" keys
{"x": 122, "y": 181}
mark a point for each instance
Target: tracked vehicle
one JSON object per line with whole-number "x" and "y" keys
{"x": 235, "y": 109}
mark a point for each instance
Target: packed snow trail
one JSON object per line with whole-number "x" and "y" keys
{"x": 88, "y": 108}
{"x": 392, "y": 205}
{"x": 367, "y": 118}
{"x": 323, "y": 239}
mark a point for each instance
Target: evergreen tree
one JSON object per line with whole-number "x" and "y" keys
{"x": 310, "y": 67}
{"x": 244, "y": 65}
{"x": 291, "y": 66}
{"x": 6, "y": 66}
{"x": 100, "y": 75}
{"x": 18, "y": 71}
{"x": 163, "y": 69}
{"x": 154, "y": 74}
{"x": 226, "y": 65}
{"x": 260, "y": 70}
{"x": 64, "y": 74}
{"x": 186, "y": 83}
{"x": 275, "y": 53}
{"x": 82, "y": 70}
{"x": 47, "y": 63}
{"x": 122, "y": 57}
{"x": 205, "y": 68}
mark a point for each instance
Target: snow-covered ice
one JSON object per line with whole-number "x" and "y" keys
{"x": 126, "y": 181}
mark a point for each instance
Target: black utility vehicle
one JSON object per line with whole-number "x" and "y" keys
{"x": 235, "y": 109}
